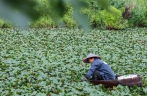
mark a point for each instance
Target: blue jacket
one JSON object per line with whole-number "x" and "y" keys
{"x": 105, "y": 70}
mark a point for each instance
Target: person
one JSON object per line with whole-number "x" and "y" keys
{"x": 99, "y": 69}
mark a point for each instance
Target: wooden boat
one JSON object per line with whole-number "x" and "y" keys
{"x": 135, "y": 81}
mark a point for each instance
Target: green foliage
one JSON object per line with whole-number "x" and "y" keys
{"x": 43, "y": 22}
{"x": 94, "y": 14}
{"x": 138, "y": 17}
{"x": 113, "y": 19}
{"x": 95, "y": 18}
{"x": 51, "y": 12}
{"x": 19, "y": 13}
{"x": 27, "y": 11}
{"x": 121, "y": 3}
{"x": 69, "y": 21}
{"x": 117, "y": 3}
{"x": 144, "y": 22}
{"x": 68, "y": 18}
{"x": 27, "y": 7}
{"x": 5, "y": 24}
{"x": 47, "y": 21}
{"x": 1, "y": 22}
{"x": 139, "y": 14}
{"x": 49, "y": 62}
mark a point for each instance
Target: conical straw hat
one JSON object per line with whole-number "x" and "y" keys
{"x": 90, "y": 56}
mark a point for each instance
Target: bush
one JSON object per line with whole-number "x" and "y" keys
{"x": 139, "y": 14}
{"x": 68, "y": 18}
{"x": 94, "y": 14}
{"x": 69, "y": 21}
{"x": 94, "y": 17}
{"x": 1, "y": 23}
{"x": 117, "y": 3}
{"x": 45, "y": 21}
{"x": 144, "y": 23}
{"x": 5, "y": 24}
{"x": 113, "y": 20}
{"x": 96, "y": 20}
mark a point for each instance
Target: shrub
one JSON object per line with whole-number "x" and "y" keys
{"x": 69, "y": 21}
{"x": 117, "y": 3}
{"x": 94, "y": 14}
{"x": 113, "y": 20}
{"x": 68, "y": 18}
{"x": 96, "y": 20}
{"x": 139, "y": 13}
{"x": 1, "y": 23}
{"x": 5, "y": 24}
{"x": 94, "y": 17}
{"x": 45, "y": 21}
{"x": 144, "y": 23}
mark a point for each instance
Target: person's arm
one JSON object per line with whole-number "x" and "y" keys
{"x": 91, "y": 70}
{"x": 96, "y": 64}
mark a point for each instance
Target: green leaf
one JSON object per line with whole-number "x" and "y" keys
{"x": 145, "y": 90}
{"x": 17, "y": 18}
{"x": 58, "y": 6}
{"x": 104, "y": 4}
{"x": 27, "y": 7}
{"x": 34, "y": 93}
{"x": 144, "y": 60}
{"x": 80, "y": 18}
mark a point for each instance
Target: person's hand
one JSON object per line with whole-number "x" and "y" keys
{"x": 84, "y": 79}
